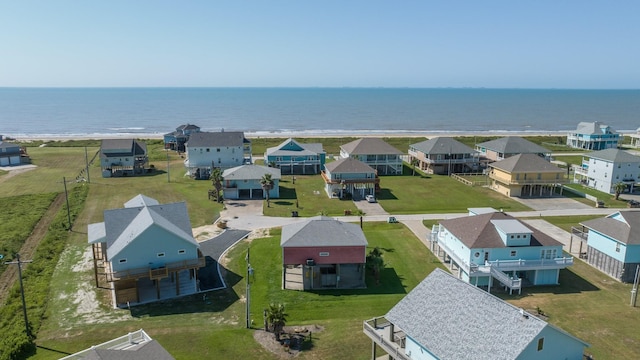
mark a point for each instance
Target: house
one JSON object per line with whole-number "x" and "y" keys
{"x": 350, "y": 177}
{"x": 500, "y": 149}
{"x": 526, "y": 175}
{"x": 123, "y": 157}
{"x": 593, "y": 136}
{"x": 444, "y": 156}
{"x": 602, "y": 170}
{"x": 323, "y": 253}
{"x": 175, "y": 140}
{"x": 137, "y": 345}
{"x": 375, "y": 152}
{"x": 635, "y": 139}
{"x": 243, "y": 182}
{"x": 146, "y": 251}
{"x": 294, "y": 158}
{"x": 613, "y": 244}
{"x": 12, "y": 154}
{"x": 493, "y": 248}
{"x": 208, "y": 150}
{"x": 445, "y": 318}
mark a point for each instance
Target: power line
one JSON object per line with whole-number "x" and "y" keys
{"x": 24, "y": 304}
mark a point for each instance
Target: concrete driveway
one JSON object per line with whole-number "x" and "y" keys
{"x": 370, "y": 208}
{"x": 552, "y": 203}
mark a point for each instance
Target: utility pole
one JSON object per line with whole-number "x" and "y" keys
{"x": 86, "y": 161}
{"x": 24, "y": 304}
{"x": 248, "y": 307}
{"x": 168, "y": 167}
{"x": 634, "y": 291}
{"x": 66, "y": 195}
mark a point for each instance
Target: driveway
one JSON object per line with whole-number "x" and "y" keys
{"x": 552, "y": 203}
{"x": 370, "y": 208}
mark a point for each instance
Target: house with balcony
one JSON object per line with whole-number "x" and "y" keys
{"x": 175, "y": 140}
{"x": 12, "y": 154}
{"x": 497, "y": 249}
{"x": 446, "y": 318}
{"x": 526, "y": 175}
{"x": 208, "y": 150}
{"x": 295, "y": 158}
{"x": 635, "y": 139}
{"x": 243, "y": 182}
{"x": 375, "y": 152}
{"x": 502, "y": 148}
{"x": 444, "y": 156}
{"x": 593, "y": 136}
{"x": 349, "y": 177}
{"x": 146, "y": 251}
{"x": 323, "y": 253}
{"x": 602, "y": 170}
{"x": 137, "y": 345}
{"x": 123, "y": 157}
{"x": 613, "y": 244}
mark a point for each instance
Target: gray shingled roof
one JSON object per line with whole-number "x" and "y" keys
{"x": 370, "y": 146}
{"x": 513, "y": 145}
{"x": 134, "y": 147}
{"x": 442, "y": 145}
{"x": 11, "y": 146}
{"x": 627, "y": 233}
{"x": 456, "y": 320}
{"x": 122, "y": 226}
{"x": 150, "y": 350}
{"x": 250, "y": 172}
{"x": 349, "y": 165}
{"x": 479, "y": 232}
{"x": 216, "y": 139}
{"x": 614, "y": 155}
{"x": 141, "y": 200}
{"x": 522, "y": 163}
{"x": 322, "y": 231}
{"x": 307, "y": 149}
{"x": 592, "y": 128}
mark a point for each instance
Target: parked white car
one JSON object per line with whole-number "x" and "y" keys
{"x": 370, "y": 198}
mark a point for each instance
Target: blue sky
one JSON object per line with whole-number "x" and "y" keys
{"x": 448, "y": 43}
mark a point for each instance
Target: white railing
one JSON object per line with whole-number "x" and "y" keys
{"x": 122, "y": 343}
{"x": 377, "y": 335}
{"x": 508, "y": 281}
{"x": 510, "y": 265}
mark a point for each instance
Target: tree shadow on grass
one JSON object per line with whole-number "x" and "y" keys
{"x": 390, "y": 283}
{"x": 210, "y": 301}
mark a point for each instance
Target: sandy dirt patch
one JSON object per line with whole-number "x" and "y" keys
{"x": 303, "y": 334}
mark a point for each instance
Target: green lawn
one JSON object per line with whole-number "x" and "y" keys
{"x": 608, "y": 199}
{"x": 214, "y": 327}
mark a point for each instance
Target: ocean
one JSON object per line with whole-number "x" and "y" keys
{"x": 141, "y": 112}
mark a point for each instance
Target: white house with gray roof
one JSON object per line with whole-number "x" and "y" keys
{"x": 613, "y": 244}
{"x": 593, "y": 136}
{"x": 502, "y": 148}
{"x": 123, "y": 157}
{"x": 323, "y": 253}
{"x": 602, "y": 170}
{"x": 208, "y": 150}
{"x": 349, "y": 176}
{"x": 243, "y": 182}
{"x": 444, "y": 156}
{"x": 446, "y": 318}
{"x": 146, "y": 251}
{"x": 497, "y": 249}
{"x": 375, "y": 152}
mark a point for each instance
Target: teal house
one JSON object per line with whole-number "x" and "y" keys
{"x": 294, "y": 158}
{"x": 446, "y": 318}
{"x": 593, "y": 136}
{"x": 613, "y": 244}
{"x": 496, "y": 249}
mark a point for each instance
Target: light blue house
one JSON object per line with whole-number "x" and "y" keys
{"x": 446, "y": 318}
{"x": 146, "y": 251}
{"x": 593, "y": 136}
{"x": 294, "y": 158}
{"x": 350, "y": 177}
{"x": 496, "y": 248}
{"x": 613, "y": 244}
{"x": 243, "y": 182}
{"x": 208, "y": 150}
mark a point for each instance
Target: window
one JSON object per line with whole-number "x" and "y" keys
{"x": 513, "y": 253}
{"x": 160, "y": 254}
{"x": 122, "y": 261}
{"x": 182, "y": 251}
{"x": 617, "y": 247}
{"x": 218, "y": 150}
{"x": 518, "y": 236}
{"x": 540, "y": 344}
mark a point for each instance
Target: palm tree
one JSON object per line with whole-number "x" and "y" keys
{"x": 618, "y": 188}
{"x": 414, "y": 163}
{"x": 276, "y": 318}
{"x": 216, "y": 180}
{"x": 267, "y": 185}
{"x": 375, "y": 262}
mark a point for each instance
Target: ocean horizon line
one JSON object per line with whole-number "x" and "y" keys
{"x": 316, "y": 87}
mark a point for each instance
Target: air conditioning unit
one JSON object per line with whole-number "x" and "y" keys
{"x": 310, "y": 262}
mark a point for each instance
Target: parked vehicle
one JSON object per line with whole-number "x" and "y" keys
{"x": 370, "y": 198}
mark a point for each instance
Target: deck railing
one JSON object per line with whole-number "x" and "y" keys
{"x": 376, "y": 333}
{"x": 141, "y": 272}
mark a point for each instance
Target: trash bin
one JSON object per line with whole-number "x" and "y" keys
{"x": 294, "y": 214}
